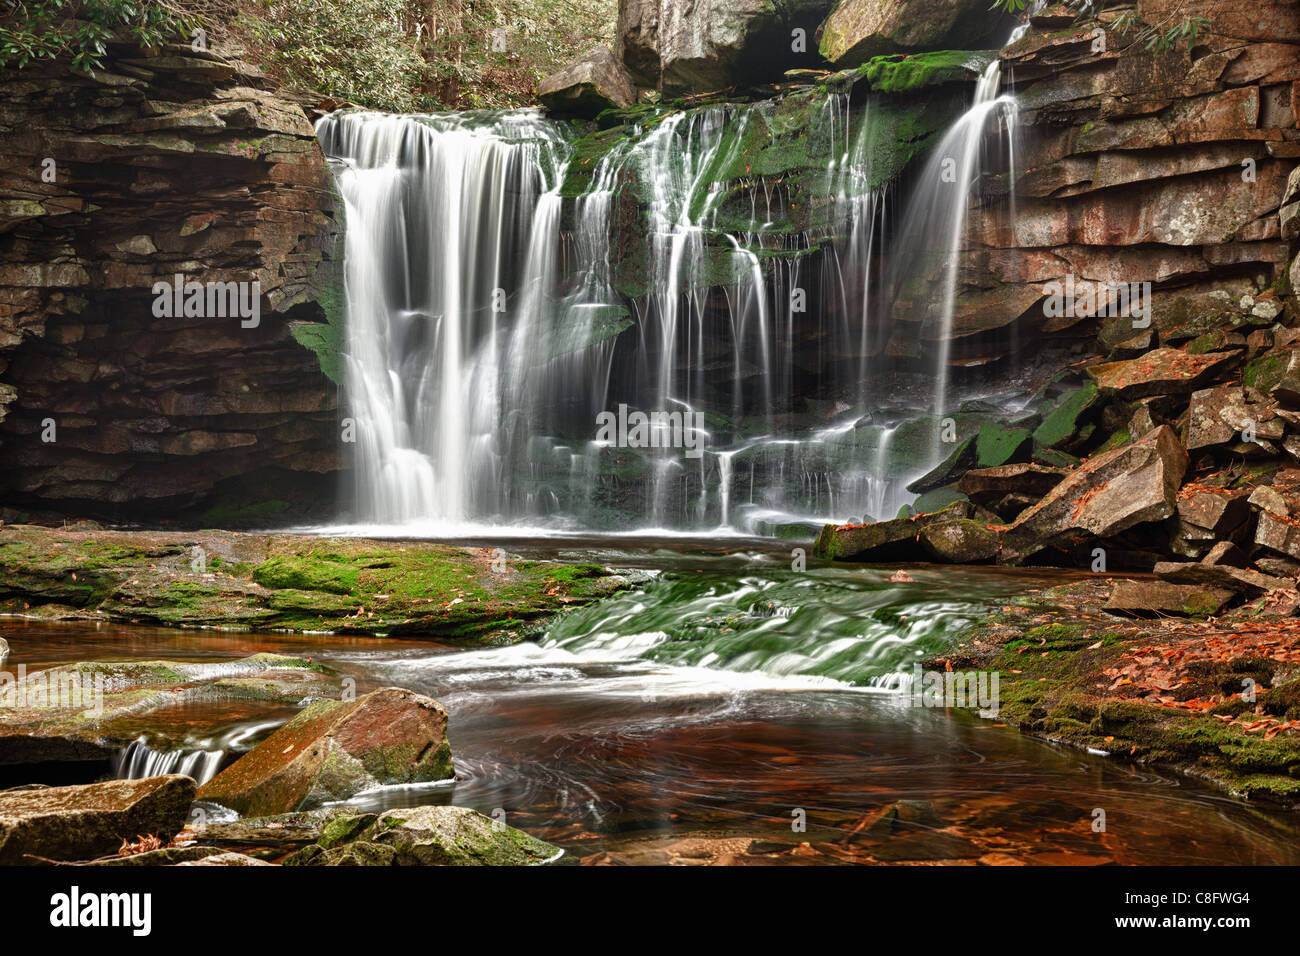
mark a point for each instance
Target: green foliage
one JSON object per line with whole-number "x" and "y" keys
{"x": 353, "y": 49}
{"x": 1169, "y": 34}
{"x": 406, "y": 55}
{"x": 47, "y": 29}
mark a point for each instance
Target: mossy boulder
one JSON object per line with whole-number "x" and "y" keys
{"x": 898, "y": 539}
{"x": 424, "y": 836}
{"x": 333, "y": 750}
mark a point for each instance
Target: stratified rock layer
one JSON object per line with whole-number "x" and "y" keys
{"x": 180, "y": 163}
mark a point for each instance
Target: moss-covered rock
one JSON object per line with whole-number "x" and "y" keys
{"x": 286, "y": 582}
{"x": 425, "y": 836}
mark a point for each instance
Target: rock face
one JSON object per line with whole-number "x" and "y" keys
{"x": 424, "y": 836}
{"x": 857, "y": 30}
{"x": 80, "y": 823}
{"x": 335, "y": 749}
{"x": 174, "y": 163}
{"x": 685, "y": 46}
{"x": 1168, "y": 168}
{"x": 586, "y": 86}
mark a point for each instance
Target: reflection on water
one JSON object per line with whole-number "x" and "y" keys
{"x": 702, "y": 717}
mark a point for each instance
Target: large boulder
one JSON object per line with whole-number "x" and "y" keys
{"x": 1107, "y": 494}
{"x": 857, "y": 30}
{"x": 593, "y": 82}
{"x": 81, "y": 823}
{"x": 424, "y": 836}
{"x": 687, "y": 46}
{"x": 333, "y": 750}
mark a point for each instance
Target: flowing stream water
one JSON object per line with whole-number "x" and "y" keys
{"x": 697, "y": 716}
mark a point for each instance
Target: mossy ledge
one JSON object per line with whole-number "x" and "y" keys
{"x": 1151, "y": 692}
{"x": 230, "y": 580}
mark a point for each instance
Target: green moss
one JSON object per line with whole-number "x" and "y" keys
{"x": 1266, "y": 371}
{"x": 997, "y": 445}
{"x": 312, "y": 573}
{"x": 894, "y": 73}
{"x": 1063, "y": 421}
{"x": 1117, "y": 440}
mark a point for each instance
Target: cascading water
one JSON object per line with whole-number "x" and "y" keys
{"x": 490, "y": 323}
{"x": 139, "y": 761}
{"x": 934, "y": 227}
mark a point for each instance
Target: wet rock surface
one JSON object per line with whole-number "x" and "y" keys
{"x": 344, "y": 585}
{"x": 334, "y": 750}
{"x": 81, "y": 823}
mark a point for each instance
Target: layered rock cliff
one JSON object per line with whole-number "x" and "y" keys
{"x": 174, "y": 163}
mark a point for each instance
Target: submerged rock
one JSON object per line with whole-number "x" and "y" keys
{"x": 424, "y": 836}
{"x": 334, "y": 750}
{"x": 81, "y": 823}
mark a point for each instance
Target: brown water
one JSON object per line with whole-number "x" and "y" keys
{"x": 667, "y": 727}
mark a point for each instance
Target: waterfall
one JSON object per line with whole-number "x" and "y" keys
{"x": 494, "y": 314}
{"x": 934, "y": 226}
{"x": 138, "y": 760}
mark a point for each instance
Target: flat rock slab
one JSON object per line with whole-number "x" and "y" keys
{"x": 1159, "y": 372}
{"x": 1220, "y": 576}
{"x": 334, "y": 750}
{"x": 992, "y": 484}
{"x": 289, "y": 582}
{"x": 1161, "y": 597}
{"x": 898, "y": 539}
{"x": 90, "y": 710}
{"x": 82, "y": 823}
